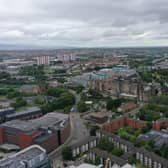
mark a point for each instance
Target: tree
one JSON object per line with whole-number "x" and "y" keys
{"x": 113, "y": 104}
{"x": 117, "y": 152}
{"x": 20, "y": 102}
{"x": 82, "y": 107}
{"x": 39, "y": 100}
{"x": 97, "y": 160}
{"x": 95, "y": 94}
{"x": 67, "y": 153}
{"x": 13, "y": 94}
{"x": 36, "y": 71}
{"x": 47, "y": 108}
{"x": 146, "y": 128}
{"x": 105, "y": 144}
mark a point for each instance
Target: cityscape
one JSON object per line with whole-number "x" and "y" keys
{"x": 83, "y": 84}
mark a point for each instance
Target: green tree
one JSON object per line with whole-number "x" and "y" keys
{"x": 113, "y": 104}
{"x": 67, "y": 153}
{"x": 82, "y": 107}
{"x": 39, "y": 100}
{"x": 20, "y": 102}
{"x": 117, "y": 152}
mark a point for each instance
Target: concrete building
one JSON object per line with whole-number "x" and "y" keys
{"x": 43, "y": 60}
{"x": 30, "y": 113}
{"x": 48, "y": 131}
{"x": 31, "y": 157}
{"x": 66, "y": 57}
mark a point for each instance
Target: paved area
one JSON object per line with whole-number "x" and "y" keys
{"x": 78, "y": 132}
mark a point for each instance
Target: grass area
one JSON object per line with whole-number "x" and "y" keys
{"x": 9, "y": 86}
{"x": 129, "y": 133}
{"x": 48, "y": 70}
{"x": 138, "y": 165}
{"x": 22, "y": 108}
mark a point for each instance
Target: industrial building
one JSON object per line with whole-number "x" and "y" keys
{"x": 48, "y": 131}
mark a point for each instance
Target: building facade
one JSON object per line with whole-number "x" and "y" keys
{"x": 48, "y": 131}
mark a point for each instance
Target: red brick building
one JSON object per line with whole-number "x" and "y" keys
{"x": 48, "y": 131}
{"x": 133, "y": 123}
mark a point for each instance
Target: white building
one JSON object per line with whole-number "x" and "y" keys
{"x": 43, "y": 60}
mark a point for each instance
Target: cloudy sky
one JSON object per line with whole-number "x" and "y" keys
{"x": 84, "y": 23}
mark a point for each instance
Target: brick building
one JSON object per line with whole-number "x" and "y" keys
{"x": 48, "y": 131}
{"x": 121, "y": 122}
{"x": 133, "y": 123}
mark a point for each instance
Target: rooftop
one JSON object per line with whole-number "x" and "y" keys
{"x": 51, "y": 120}
{"x": 23, "y": 157}
{"x": 27, "y": 111}
{"x": 99, "y": 114}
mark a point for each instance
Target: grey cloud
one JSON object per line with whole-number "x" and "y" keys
{"x": 84, "y": 22}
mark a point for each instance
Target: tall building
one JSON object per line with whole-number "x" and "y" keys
{"x": 66, "y": 57}
{"x": 43, "y": 60}
{"x": 31, "y": 157}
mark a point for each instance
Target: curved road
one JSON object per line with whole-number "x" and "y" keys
{"x": 78, "y": 132}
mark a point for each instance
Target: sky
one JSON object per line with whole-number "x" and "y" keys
{"x": 84, "y": 23}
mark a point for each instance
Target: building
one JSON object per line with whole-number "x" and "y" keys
{"x": 121, "y": 122}
{"x": 48, "y": 131}
{"x": 30, "y": 113}
{"x": 83, "y": 146}
{"x": 32, "y": 157}
{"x": 99, "y": 117}
{"x": 4, "y": 112}
{"x": 30, "y": 89}
{"x": 125, "y": 107}
{"x": 86, "y": 165}
{"x": 118, "y": 82}
{"x": 66, "y": 57}
{"x": 159, "y": 137}
{"x": 43, "y": 60}
{"x": 4, "y": 103}
{"x": 105, "y": 158}
{"x": 8, "y": 114}
{"x": 149, "y": 159}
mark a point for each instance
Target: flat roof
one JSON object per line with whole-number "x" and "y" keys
{"x": 27, "y": 111}
{"x": 52, "y": 120}
{"x": 99, "y": 114}
{"x": 26, "y": 154}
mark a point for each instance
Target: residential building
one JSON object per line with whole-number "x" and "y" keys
{"x": 43, "y": 60}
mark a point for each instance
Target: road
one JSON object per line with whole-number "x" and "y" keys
{"x": 78, "y": 132}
